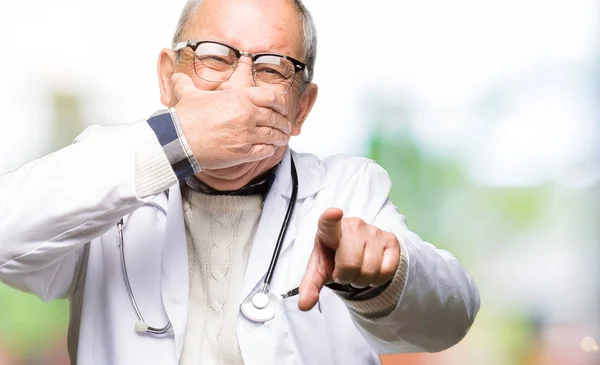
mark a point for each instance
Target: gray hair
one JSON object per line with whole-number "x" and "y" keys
{"x": 308, "y": 29}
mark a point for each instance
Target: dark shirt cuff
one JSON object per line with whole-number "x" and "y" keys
{"x": 165, "y": 125}
{"x": 349, "y": 292}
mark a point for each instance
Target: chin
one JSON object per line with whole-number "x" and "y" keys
{"x": 231, "y": 178}
{"x": 236, "y": 177}
{"x": 223, "y": 184}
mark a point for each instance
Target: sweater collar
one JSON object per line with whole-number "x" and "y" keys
{"x": 259, "y": 186}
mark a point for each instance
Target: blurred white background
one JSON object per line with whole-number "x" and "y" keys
{"x": 509, "y": 89}
{"x": 445, "y": 57}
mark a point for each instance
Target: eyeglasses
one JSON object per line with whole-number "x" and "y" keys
{"x": 216, "y": 62}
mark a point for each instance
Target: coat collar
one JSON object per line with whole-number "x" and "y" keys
{"x": 310, "y": 175}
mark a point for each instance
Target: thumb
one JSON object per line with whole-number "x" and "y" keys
{"x": 182, "y": 85}
{"x": 329, "y": 231}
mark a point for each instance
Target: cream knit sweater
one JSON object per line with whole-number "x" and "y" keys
{"x": 220, "y": 230}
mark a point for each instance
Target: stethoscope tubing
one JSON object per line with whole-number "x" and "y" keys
{"x": 138, "y": 313}
{"x": 268, "y": 276}
{"x": 284, "y": 227}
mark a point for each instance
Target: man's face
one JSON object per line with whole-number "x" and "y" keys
{"x": 251, "y": 26}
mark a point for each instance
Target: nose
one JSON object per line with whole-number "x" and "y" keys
{"x": 241, "y": 77}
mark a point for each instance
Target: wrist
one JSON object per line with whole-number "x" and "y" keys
{"x": 169, "y": 133}
{"x": 184, "y": 143}
{"x": 350, "y": 292}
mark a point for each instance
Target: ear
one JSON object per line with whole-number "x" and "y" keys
{"x": 305, "y": 104}
{"x": 166, "y": 68}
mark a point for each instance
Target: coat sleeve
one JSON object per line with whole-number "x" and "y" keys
{"x": 439, "y": 300}
{"x": 53, "y": 206}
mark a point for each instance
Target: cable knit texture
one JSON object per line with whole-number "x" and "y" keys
{"x": 220, "y": 230}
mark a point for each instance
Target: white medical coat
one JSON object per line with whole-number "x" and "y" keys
{"x": 52, "y": 207}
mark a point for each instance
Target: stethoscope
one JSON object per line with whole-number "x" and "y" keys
{"x": 141, "y": 326}
{"x": 260, "y": 306}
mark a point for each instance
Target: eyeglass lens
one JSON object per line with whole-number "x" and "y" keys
{"x": 216, "y": 63}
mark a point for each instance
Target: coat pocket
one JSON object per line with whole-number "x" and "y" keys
{"x": 326, "y": 334}
{"x": 308, "y": 333}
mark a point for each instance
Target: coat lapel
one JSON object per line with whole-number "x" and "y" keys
{"x": 275, "y": 207}
{"x": 174, "y": 284}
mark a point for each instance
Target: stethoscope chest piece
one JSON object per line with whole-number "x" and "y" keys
{"x": 260, "y": 307}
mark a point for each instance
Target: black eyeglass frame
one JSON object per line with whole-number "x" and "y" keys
{"x": 193, "y": 44}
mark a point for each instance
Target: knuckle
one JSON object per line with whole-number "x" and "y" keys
{"x": 380, "y": 235}
{"x": 386, "y": 273}
{"x": 369, "y": 273}
{"x": 270, "y": 134}
{"x": 336, "y": 277}
{"x": 347, "y": 267}
{"x": 340, "y": 277}
{"x": 243, "y": 98}
{"x": 355, "y": 222}
{"x": 390, "y": 240}
{"x": 270, "y": 96}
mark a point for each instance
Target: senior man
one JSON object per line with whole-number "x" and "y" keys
{"x": 184, "y": 239}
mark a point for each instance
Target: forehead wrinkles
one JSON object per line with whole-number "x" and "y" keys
{"x": 250, "y": 26}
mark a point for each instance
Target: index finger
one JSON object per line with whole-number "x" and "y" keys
{"x": 268, "y": 99}
{"x": 270, "y": 118}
